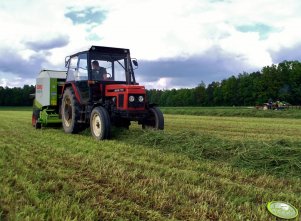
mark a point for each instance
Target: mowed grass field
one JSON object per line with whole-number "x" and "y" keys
{"x": 199, "y": 168}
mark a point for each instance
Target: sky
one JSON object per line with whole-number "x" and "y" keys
{"x": 178, "y": 43}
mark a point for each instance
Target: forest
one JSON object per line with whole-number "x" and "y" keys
{"x": 16, "y": 96}
{"x": 276, "y": 82}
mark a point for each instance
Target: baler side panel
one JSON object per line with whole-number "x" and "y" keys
{"x": 43, "y": 91}
{"x": 53, "y": 91}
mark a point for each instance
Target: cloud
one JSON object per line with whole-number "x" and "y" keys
{"x": 86, "y": 16}
{"x": 12, "y": 63}
{"x": 93, "y": 37}
{"x": 12, "y": 80}
{"x": 214, "y": 65}
{"x": 48, "y": 44}
{"x": 262, "y": 29}
{"x": 3, "y": 82}
{"x": 291, "y": 53}
{"x": 178, "y": 43}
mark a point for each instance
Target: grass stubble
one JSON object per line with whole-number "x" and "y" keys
{"x": 199, "y": 168}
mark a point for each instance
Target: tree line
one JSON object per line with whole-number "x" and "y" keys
{"x": 276, "y": 82}
{"x": 16, "y": 96}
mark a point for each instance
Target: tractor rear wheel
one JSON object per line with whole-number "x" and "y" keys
{"x": 100, "y": 123}
{"x": 155, "y": 119}
{"x": 70, "y": 112}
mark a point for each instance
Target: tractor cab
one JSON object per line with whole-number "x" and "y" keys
{"x": 90, "y": 71}
{"x": 101, "y": 63}
{"x": 99, "y": 90}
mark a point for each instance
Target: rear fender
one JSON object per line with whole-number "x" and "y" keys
{"x": 72, "y": 84}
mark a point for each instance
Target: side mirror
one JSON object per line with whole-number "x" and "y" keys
{"x": 135, "y": 62}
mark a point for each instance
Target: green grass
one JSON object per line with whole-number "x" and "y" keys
{"x": 233, "y": 111}
{"x": 199, "y": 168}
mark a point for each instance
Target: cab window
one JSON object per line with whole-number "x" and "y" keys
{"x": 82, "y": 68}
{"x": 72, "y": 68}
{"x": 78, "y": 70}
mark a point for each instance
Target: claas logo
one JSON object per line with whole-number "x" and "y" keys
{"x": 39, "y": 87}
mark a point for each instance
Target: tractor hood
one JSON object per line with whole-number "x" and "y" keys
{"x": 136, "y": 89}
{"x": 127, "y": 97}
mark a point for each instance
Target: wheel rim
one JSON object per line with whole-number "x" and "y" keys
{"x": 67, "y": 112}
{"x": 96, "y": 125}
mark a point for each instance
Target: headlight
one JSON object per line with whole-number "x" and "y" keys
{"x": 141, "y": 99}
{"x": 131, "y": 98}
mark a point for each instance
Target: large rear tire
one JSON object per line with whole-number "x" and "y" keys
{"x": 100, "y": 123}
{"x": 155, "y": 119}
{"x": 70, "y": 112}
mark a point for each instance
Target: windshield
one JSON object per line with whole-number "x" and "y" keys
{"x": 112, "y": 67}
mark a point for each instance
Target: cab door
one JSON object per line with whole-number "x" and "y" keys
{"x": 78, "y": 74}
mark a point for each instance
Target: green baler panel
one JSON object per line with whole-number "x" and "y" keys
{"x": 53, "y": 91}
{"x": 37, "y": 105}
{"x": 48, "y": 116}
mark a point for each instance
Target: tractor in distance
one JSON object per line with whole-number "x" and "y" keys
{"x": 98, "y": 90}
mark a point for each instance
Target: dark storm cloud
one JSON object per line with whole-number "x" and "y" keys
{"x": 289, "y": 54}
{"x": 214, "y": 65}
{"x": 86, "y": 16}
{"x": 11, "y": 62}
{"x": 56, "y": 42}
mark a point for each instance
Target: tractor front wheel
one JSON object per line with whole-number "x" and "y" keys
{"x": 100, "y": 123}
{"x": 155, "y": 119}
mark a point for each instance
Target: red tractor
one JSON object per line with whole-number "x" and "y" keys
{"x": 100, "y": 90}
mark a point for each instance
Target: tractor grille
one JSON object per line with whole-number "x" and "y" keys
{"x": 120, "y": 100}
{"x": 136, "y": 103}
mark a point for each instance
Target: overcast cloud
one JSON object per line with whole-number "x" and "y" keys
{"x": 177, "y": 43}
{"x": 47, "y": 44}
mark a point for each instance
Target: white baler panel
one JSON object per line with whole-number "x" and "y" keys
{"x": 43, "y": 85}
{"x": 43, "y": 91}
{"x": 52, "y": 74}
